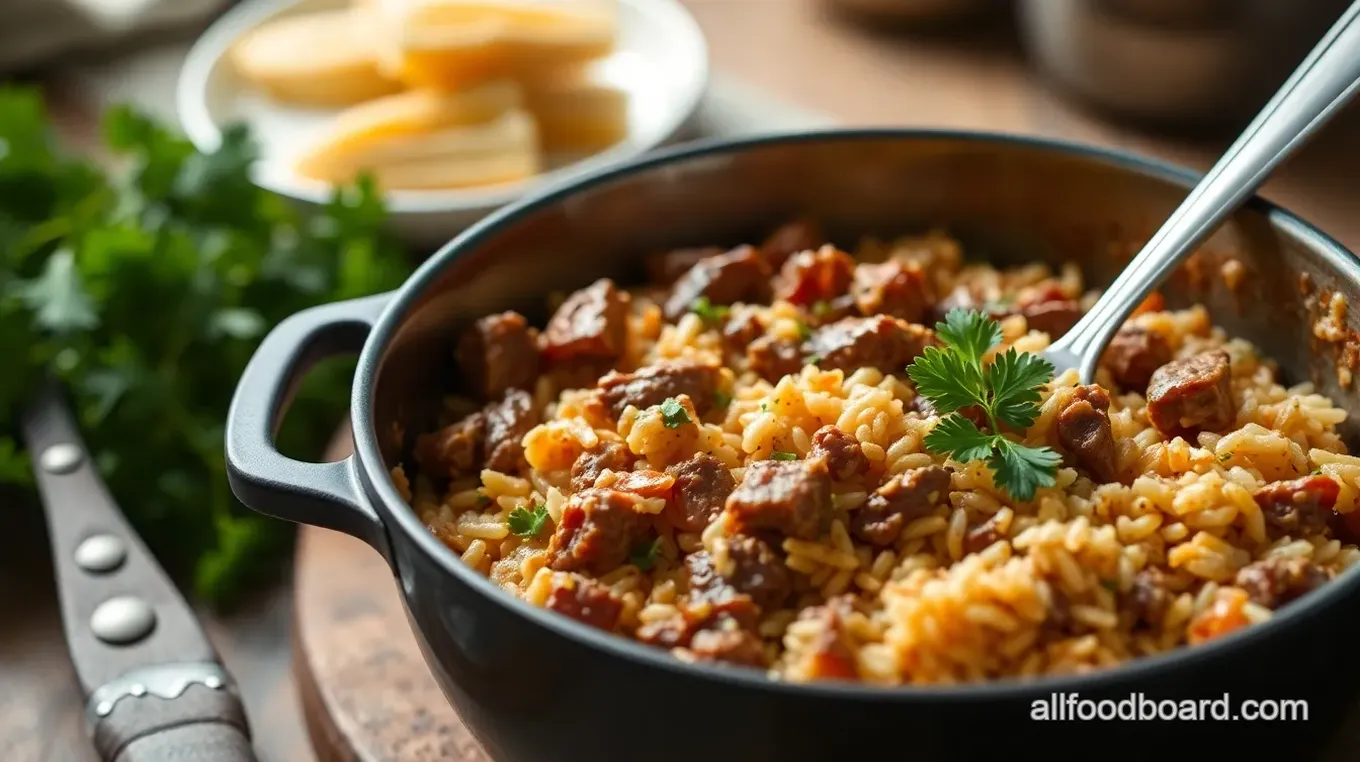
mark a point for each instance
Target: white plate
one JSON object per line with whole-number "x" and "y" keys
{"x": 661, "y": 61}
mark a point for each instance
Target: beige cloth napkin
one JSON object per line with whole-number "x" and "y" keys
{"x": 40, "y": 33}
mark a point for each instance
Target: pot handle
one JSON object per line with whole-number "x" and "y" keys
{"x": 327, "y": 495}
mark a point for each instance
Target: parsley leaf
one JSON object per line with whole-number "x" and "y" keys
{"x": 528, "y": 524}
{"x": 673, "y": 414}
{"x": 644, "y": 557}
{"x": 712, "y": 314}
{"x": 781, "y": 455}
{"x": 1006, "y": 390}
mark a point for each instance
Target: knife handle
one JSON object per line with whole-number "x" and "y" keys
{"x": 155, "y": 688}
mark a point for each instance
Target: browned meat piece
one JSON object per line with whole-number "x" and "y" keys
{"x": 727, "y": 641}
{"x": 973, "y": 413}
{"x": 963, "y": 298}
{"x": 453, "y": 451}
{"x": 1134, "y": 355}
{"x": 1190, "y": 395}
{"x": 1049, "y": 311}
{"x": 702, "y": 485}
{"x": 825, "y": 313}
{"x": 740, "y": 275}
{"x": 893, "y": 288}
{"x": 606, "y": 454}
{"x": 1299, "y": 507}
{"x": 1273, "y": 582}
{"x": 1148, "y": 599}
{"x": 1084, "y": 432}
{"x": 757, "y": 571}
{"x": 644, "y": 483}
{"x": 901, "y": 499}
{"x": 800, "y": 235}
{"x": 591, "y": 324}
{"x": 598, "y": 530}
{"x": 772, "y": 358}
{"x": 665, "y": 268}
{"x": 1059, "y": 613}
{"x": 833, "y": 658}
{"x": 653, "y": 384}
{"x": 981, "y": 537}
{"x": 814, "y": 276}
{"x": 844, "y": 458}
{"x": 790, "y": 497}
{"x": 584, "y": 600}
{"x": 507, "y": 421}
{"x": 499, "y": 352}
{"x": 879, "y": 342}
{"x": 739, "y": 332}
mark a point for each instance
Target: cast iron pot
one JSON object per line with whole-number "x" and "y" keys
{"x": 534, "y": 686}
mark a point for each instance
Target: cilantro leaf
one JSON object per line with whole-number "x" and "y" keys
{"x": 644, "y": 557}
{"x": 1021, "y": 470}
{"x": 781, "y": 455}
{"x": 721, "y": 399}
{"x": 673, "y": 414}
{"x": 960, "y": 438}
{"x": 949, "y": 380}
{"x": 527, "y": 524}
{"x": 969, "y": 333}
{"x": 1014, "y": 379}
{"x": 709, "y": 313}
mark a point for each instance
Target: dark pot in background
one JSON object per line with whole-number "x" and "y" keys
{"x": 538, "y": 687}
{"x": 1203, "y": 66}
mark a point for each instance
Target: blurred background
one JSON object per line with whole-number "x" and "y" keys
{"x": 1172, "y": 79}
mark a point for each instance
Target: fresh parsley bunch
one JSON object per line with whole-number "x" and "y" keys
{"x": 1006, "y": 390}
{"x": 146, "y": 288}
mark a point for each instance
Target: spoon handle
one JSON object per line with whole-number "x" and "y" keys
{"x": 1323, "y": 82}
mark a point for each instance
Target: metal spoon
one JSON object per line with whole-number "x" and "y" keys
{"x": 1325, "y": 80}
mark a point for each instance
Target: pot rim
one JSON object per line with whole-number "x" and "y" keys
{"x": 1144, "y": 668}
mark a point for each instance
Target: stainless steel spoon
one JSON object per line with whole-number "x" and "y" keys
{"x": 1325, "y": 80}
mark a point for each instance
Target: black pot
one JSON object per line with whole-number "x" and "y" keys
{"x": 533, "y": 685}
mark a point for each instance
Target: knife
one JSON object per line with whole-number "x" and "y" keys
{"x": 155, "y": 688}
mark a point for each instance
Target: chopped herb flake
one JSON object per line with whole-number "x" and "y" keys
{"x": 814, "y": 360}
{"x": 781, "y": 455}
{"x": 804, "y": 332}
{"x": 673, "y": 414}
{"x": 821, "y": 308}
{"x": 1223, "y": 457}
{"x": 644, "y": 556}
{"x": 524, "y": 523}
{"x": 712, "y": 314}
{"x": 721, "y": 399}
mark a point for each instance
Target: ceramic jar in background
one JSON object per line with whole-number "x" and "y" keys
{"x": 1188, "y": 65}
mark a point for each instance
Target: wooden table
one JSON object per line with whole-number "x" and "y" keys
{"x": 789, "y": 48}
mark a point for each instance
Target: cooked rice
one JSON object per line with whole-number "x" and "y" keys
{"x": 1048, "y": 597}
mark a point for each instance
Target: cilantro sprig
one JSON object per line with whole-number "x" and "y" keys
{"x": 1006, "y": 390}
{"x": 673, "y": 414}
{"x": 644, "y": 557}
{"x": 527, "y": 524}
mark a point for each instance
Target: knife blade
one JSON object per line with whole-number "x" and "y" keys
{"x": 155, "y": 688}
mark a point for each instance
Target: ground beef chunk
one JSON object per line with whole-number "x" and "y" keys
{"x": 507, "y": 421}
{"x": 711, "y": 629}
{"x": 789, "y": 497}
{"x": 592, "y": 324}
{"x": 879, "y": 342}
{"x": 1190, "y": 395}
{"x": 1134, "y": 355}
{"x": 1083, "y": 427}
{"x": 1147, "y": 601}
{"x": 739, "y": 332}
{"x": 893, "y": 288}
{"x": 800, "y": 235}
{"x": 758, "y": 571}
{"x": 453, "y": 451}
{"x": 825, "y": 313}
{"x": 1274, "y": 582}
{"x": 901, "y": 499}
{"x": 702, "y": 486}
{"x": 653, "y": 384}
{"x": 1298, "y": 507}
{"x": 1049, "y": 311}
{"x": 584, "y": 600}
{"x": 665, "y": 268}
{"x": 844, "y": 458}
{"x": 772, "y": 358}
{"x": 499, "y": 352}
{"x": 605, "y": 455}
{"x": 923, "y": 405}
{"x": 740, "y": 275}
{"x": 981, "y": 537}
{"x": 597, "y": 532}
{"x": 833, "y": 654}
{"x": 727, "y": 641}
{"x": 814, "y": 276}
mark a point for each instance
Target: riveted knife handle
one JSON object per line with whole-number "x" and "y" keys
{"x": 154, "y": 686}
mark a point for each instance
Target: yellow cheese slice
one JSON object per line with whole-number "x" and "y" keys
{"x": 453, "y": 43}
{"x": 575, "y": 113}
{"x": 324, "y": 59}
{"x": 502, "y": 149}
